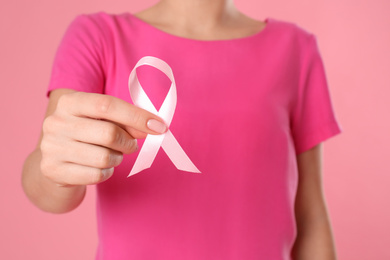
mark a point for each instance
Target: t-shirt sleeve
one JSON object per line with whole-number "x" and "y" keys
{"x": 313, "y": 117}
{"x": 78, "y": 62}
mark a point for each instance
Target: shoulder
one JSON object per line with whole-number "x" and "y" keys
{"x": 291, "y": 33}
{"x": 289, "y": 28}
{"x": 101, "y": 28}
{"x": 101, "y": 20}
{"x": 292, "y": 38}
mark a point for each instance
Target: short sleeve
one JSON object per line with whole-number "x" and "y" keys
{"x": 78, "y": 62}
{"x": 313, "y": 118}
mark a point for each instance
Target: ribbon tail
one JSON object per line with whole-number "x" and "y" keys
{"x": 177, "y": 155}
{"x": 147, "y": 154}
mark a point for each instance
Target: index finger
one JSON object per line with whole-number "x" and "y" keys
{"x": 100, "y": 106}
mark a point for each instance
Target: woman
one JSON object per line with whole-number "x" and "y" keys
{"x": 253, "y": 108}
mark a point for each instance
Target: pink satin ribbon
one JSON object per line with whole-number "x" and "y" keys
{"x": 153, "y": 142}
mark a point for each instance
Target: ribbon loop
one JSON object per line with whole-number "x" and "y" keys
{"x": 153, "y": 142}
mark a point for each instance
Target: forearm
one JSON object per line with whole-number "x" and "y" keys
{"x": 46, "y": 194}
{"x": 314, "y": 240}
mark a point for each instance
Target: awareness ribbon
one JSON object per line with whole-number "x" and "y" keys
{"x": 153, "y": 142}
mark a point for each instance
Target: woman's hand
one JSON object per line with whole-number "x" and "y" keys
{"x": 84, "y": 136}
{"x": 88, "y": 134}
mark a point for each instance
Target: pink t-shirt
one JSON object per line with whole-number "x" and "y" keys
{"x": 246, "y": 107}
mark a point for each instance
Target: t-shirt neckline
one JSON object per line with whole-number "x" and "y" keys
{"x": 264, "y": 30}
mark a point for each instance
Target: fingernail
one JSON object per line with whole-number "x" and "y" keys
{"x": 116, "y": 159}
{"x": 107, "y": 173}
{"x": 156, "y": 126}
{"x": 134, "y": 145}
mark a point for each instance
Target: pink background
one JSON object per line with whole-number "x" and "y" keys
{"x": 354, "y": 38}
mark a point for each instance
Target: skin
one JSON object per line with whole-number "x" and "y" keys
{"x": 84, "y": 136}
{"x": 315, "y": 239}
{"x": 81, "y": 142}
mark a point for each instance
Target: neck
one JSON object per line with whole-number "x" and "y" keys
{"x": 197, "y": 14}
{"x": 200, "y": 19}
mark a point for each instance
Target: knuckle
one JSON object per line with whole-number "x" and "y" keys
{"x": 105, "y": 159}
{"x": 65, "y": 101}
{"x": 137, "y": 117}
{"x": 44, "y": 147}
{"x": 110, "y": 135}
{"x": 47, "y": 147}
{"x": 46, "y": 168}
{"x": 103, "y": 104}
{"x": 49, "y": 166}
{"x": 48, "y": 124}
{"x": 51, "y": 124}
